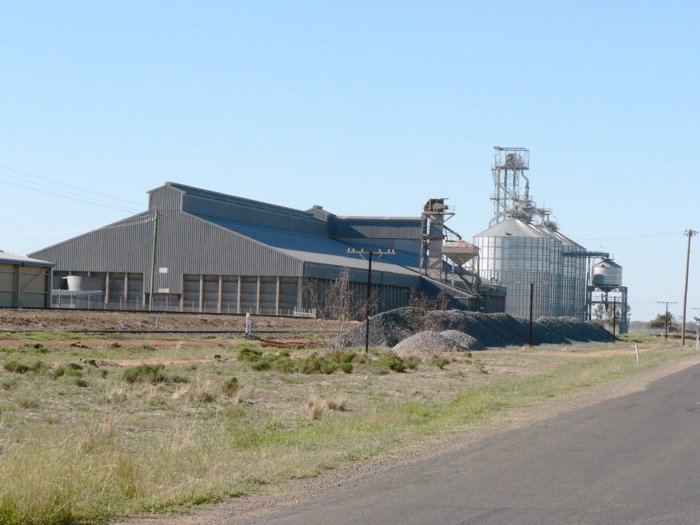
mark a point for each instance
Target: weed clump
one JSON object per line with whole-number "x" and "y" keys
{"x": 153, "y": 374}
{"x": 230, "y": 386}
{"x": 440, "y": 362}
{"x": 81, "y": 383}
{"x": 389, "y": 361}
{"x": 250, "y": 355}
{"x": 21, "y": 368}
{"x": 310, "y": 364}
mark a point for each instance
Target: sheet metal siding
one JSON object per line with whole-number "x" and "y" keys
{"x": 165, "y": 198}
{"x": 262, "y": 215}
{"x": 375, "y": 228}
{"x": 322, "y": 271}
{"x": 120, "y": 247}
{"x": 189, "y": 245}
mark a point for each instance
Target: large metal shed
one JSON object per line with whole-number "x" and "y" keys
{"x": 24, "y": 282}
{"x": 201, "y": 251}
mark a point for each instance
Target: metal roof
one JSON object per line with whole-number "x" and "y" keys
{"x": 240, "y": 201}
{"x": 312, "y": 248}
{"x": 512, "y": 227}
{"x": 22, "y": 260}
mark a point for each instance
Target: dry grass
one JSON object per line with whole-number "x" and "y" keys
{"x": 116, "y": 448}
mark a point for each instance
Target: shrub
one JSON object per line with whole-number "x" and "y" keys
{"x": 58, "y": 372}
{"x": 346, "y": 367}
{"x": 81, "y": 382}
{"x": 145, "y": 374}
{"x": 391, "y": 361}
{"x": 230, "y": 386}
{"x": 40, "y": 348}
{"x": 250, "y": 355}
{"x": 412, "y": 362}
{"x": 17, "y": 368}
{"x": 440, "y": 362}
{"x": 21, "y": 368}
{"x": 259, "y": 366}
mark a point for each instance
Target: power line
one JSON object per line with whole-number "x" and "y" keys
{"x": 638, "y": 236}
{"x": 19, "y": 174}
{"x": 56, "y": 193}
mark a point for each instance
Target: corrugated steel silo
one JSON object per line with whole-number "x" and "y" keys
{"x": 513, "y": 254}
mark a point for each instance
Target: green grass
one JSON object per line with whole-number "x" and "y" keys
{"x": 165, "y": 446}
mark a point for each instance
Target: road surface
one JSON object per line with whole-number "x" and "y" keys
{"x": 633, "y": 459}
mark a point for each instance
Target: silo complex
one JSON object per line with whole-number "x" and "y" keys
{"x": 524, "y": 251}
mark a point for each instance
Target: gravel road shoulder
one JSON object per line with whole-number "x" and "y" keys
{"x": 296, "y": 492}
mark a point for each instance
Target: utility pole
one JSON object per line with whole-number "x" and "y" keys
{"x": 153, "y": 259}
{"x": 666, "y": 318}
{"x": 369, "y": 253}
{"x": 690, "y": 234}
{"x": 614, "y": 316}
{"x": 532, "y": 294}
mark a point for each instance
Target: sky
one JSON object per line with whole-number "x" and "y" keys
{"x": 363, "y": 107}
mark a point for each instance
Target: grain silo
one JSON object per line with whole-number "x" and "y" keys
{"x": 524, "y": 251}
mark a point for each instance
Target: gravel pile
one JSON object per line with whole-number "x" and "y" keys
{"x": 484, "y": 330}
{"x": 465, "y": 341}
{"x": 427, "y": 342}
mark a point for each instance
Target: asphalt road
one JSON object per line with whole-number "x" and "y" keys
{"x": 634, "y": 459}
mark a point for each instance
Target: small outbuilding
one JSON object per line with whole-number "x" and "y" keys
{"x": 24, "y": 282}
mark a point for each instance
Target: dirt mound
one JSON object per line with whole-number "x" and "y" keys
{"x": 489, "y": 330}
{"x": 466, "y": 341}
{"x": 427, "y": 342}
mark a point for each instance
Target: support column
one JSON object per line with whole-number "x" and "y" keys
{"x": 201, "y": 292}
{"x": 17, "y": 279}
{"x": 300, "y": 293}
{"x": 257, "y": 298}
{"x": 106, "y": 288}
{"x": 221, "y": 293}
{"x": 238, "y": 295}
{"x": 277, "y": 297}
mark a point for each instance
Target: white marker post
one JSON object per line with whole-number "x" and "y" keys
{"x": 636, "y": 351}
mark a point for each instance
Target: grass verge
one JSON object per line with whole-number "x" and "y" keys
{"x": 98, "y": 470}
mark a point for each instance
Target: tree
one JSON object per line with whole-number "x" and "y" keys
{"x": 662, "y": 320}
{"x": 604, "y": 313}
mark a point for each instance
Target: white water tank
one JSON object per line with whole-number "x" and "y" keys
{"x": 607, "y": 273}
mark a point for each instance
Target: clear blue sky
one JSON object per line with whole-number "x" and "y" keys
{"x": 364, "y": 107}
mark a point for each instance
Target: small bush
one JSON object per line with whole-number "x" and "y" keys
{"x": 145, "y": 374}
{"x": 27, "y": 402}
{"x": 315, "y": 409}
{"x": 337, "y": 404}
{"x": 40, "y": 348}
{"x": 104, "y": 373}
{"x": 58, "y": 372}
{"x": 412, "y": 362}
{"x": 259, "y": 366}
{"x": 20, "y": 368}
{"x": 391, "y": 361}
{"x": 346, "y": 368}
{"x": 8, "y": 384}
{"x": 230, "y": 387}
{"x": 250, "y": 355}
{"x": 74, "y": 366}
{"x": 81, "y": 383}
{"x": 15, "y": 367}
{"x": 440, "y": 362}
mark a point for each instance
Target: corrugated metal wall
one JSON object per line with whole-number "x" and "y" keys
{"x": 120, "y": 247}
{"x": 316, "y": 294}
{"x": 190, "y": 245}
{"x": 24, "y": 286}
{"x": 258, "y": 294}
